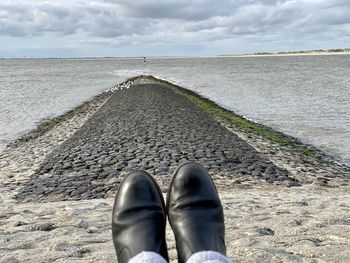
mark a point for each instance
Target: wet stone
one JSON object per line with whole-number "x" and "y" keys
{"x": 92, "y": 230}
{"x": 265, "y": 231}
{"x": 65, "y": 247}
{"x": 20, "y": 223}
{"x": 66, "y": 166}
{"x": 43, "y": 227}
{"x": 79, "y": 253}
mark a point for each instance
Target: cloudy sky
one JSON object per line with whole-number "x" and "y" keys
{"x": 72, "y": 28}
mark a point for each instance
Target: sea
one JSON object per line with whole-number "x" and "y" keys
{"x": 307, "y": 97}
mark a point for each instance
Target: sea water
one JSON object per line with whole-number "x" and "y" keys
{"x": 307, "y": 97}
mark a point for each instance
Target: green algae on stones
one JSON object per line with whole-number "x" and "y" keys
{"x": 240, "y": 122}
{"x": 47, "y": 125}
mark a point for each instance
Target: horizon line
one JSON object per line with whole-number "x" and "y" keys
{"x": 261, "y": 53}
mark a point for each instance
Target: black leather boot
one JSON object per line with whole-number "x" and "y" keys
{"x": 195, "y": 212}
{"x": 139, "y": 218}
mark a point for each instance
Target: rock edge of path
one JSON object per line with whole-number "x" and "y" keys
{"x": 148, "y": 127}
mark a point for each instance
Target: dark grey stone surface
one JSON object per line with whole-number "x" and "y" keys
{"x": 149, "y": 127}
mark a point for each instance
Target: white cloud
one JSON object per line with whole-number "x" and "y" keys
{"x": 121, "y": 22}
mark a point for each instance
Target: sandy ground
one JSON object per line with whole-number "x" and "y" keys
{"x": 264, "y": 223}
{"x": 305, "y": 224}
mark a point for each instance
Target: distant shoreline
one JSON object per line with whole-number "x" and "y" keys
{"x": 320, "y": 52}
{"x": 292, "y": 54}
{"x": 316, "y": 52}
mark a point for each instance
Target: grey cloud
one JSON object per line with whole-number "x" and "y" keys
{"x": 194, "y": 10}
{"x": 171, "y": 20}
{"x": 34, "y": 20}
{"x": 333, "y": 16}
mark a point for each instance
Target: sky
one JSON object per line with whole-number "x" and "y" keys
{"x": 129, "y": 28}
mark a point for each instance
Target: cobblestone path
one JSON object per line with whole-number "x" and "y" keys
{"x": 150, "y": 127}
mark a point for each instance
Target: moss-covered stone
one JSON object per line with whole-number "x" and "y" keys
{"x": 46, "y": 125}
{"x": 240, "y": 122}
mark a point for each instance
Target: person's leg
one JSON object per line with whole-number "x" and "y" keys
{"x": 139, "y": 219}
{"x": 196, "y": 216}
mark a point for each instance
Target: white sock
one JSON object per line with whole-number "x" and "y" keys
{"x": 147, "y": 257}
{"x": 208, "y": 257}
{"x": 199, "y": 257}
